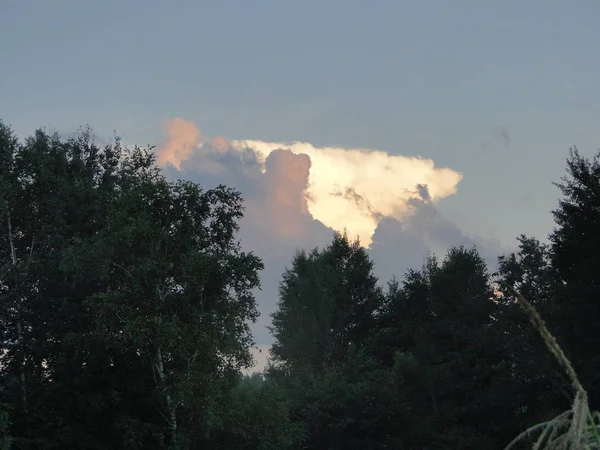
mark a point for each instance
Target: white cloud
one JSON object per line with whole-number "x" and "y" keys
{"x": 347, "y": 188}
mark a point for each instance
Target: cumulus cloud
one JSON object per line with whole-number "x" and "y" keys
{"x": 356, "y": 188}
{"x": 297, "y": 194}
{"x": 347, "y": 188}
{"x": 400, "y": 245}
{"x": 286, "y": 183}
{"x": 183, "y": 138}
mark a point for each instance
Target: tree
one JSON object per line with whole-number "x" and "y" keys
{"x": 326, "y": 315}
{"x": 8, "y": 199}
{"x": 177, "y": 289}
{"x": 51, "y": 191}
{"x": 440, "y": 323}
{"x": 539, "y": 388}
{"x": 326, "y": 307}
{"x": 471, "y": 360}
{"x": 575, "y": 248}
{"x": 125, "y": 299}
{"x": 257, "y": 418}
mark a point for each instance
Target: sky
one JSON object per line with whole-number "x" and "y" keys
{"x": 415, "y": 125}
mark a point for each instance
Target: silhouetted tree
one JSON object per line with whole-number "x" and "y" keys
{"x": 575, "y": 248}
{"x": 125, "y": 298}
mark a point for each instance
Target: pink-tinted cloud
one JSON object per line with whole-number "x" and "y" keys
{"x": 286, "y": 182}
{"x": 182, "y": 140}
{"x": 220, "y": 144}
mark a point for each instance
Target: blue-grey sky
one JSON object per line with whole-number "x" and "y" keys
{"x": 498, "y": 91}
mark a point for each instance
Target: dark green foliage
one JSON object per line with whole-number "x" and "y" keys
{"x": 326, "y": 315}
{"x": 424, "y": 370}
{"x": 575, "y": 247}
{"x": 5, "y": 436}
{"x": 539, "y": 388}
{"x": 326, "y": 308}
{"x": 443, "y": 316}
{"x": 125, "y": 302}
{"x": 257, "y": 418}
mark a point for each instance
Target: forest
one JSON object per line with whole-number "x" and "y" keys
{"x": 126, "y": 301}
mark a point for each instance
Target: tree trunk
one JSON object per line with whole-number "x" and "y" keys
{"x": 13, "y": 255}
{"x": 171, "y": 415}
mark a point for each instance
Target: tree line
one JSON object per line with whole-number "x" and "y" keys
{"x": 125, "y": 303}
